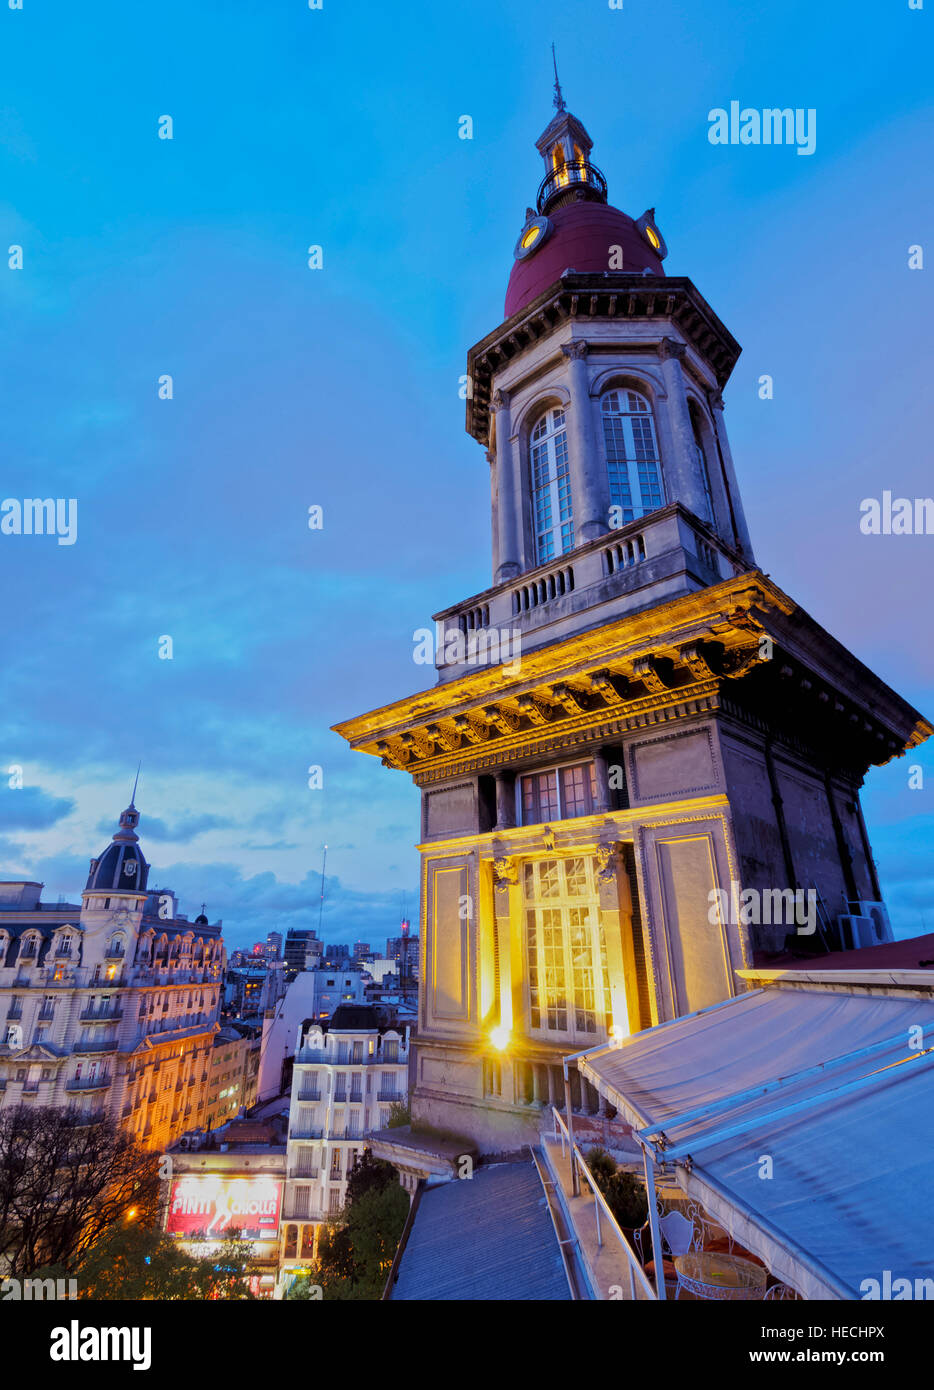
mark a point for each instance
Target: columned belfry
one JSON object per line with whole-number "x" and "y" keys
{"x": 633, "y": 730}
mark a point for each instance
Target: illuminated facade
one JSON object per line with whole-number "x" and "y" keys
{"x": 633, "y": 717}
{"x": 233, "y": 1180}
{"x": 109, "y": 1008}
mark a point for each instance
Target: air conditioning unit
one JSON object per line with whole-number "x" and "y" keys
{"x": 184, "y": 1142}
{"x": 881, "y": 926}
{"x": 855, "y": 931}
{"x": 195, "y": 1141}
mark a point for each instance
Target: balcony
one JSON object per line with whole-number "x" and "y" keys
{"x": 390, "y": 1097}
{"x": 568, "y": 180}
{"x": 111, "y": 1015}
{"x": 89, "y": 1083}
{"x": 97, "y": 1045}
{"x": 303, "y": 1175}
{"x": 663, "y": 555}
{"x": 307, "y": 1132}
{"x": 294, "y": 1213}
{"x": 309, "y": 1095}
{"x": 15, "y": 1012}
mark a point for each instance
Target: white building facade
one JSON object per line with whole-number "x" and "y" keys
{"x": 347, "y": 1075}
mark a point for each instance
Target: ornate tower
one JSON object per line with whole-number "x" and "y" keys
{"x": 639, "y": 748}
{"x": 114, "y": 899}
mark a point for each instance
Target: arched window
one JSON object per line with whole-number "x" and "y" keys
{"x": 631, "y": 454}
{"x": 702, "y": 463}
{"x": 553, "y": 517}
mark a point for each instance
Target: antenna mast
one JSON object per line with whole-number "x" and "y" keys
{"x": 324, "y": 861}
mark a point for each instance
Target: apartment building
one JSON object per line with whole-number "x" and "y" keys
{"x": 347, "y": 1074}
{"x": 109, "y": 1008}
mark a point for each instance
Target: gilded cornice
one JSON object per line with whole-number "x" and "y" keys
{"x": 671, "y": 661}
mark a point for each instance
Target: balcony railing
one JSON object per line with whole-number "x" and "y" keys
{"x": 307, "y": 1132}
{"x": 111, "y": 1015}
{"x": 576, "y": 173}
{"x": 295, "y": 1214}
{"x": 309, "y": 1095}
{"x": 668, "y": 550}
{"x": 89, "y": 1083}
{"x": 97, "y": 1045}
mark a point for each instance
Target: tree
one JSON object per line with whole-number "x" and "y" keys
{"x": 369, "y": 1174}
{"x": 354, "y": 1258}
{"x": 624, "y": 1194}
{"x": 64, "y": 1182}
{"x": 139, "y": 1263}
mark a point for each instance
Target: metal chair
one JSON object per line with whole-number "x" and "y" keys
{"x": 679, "y": 1236}
{"x": 781, "y": 1291}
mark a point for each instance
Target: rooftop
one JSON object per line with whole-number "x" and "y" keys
{"x": 490, "y": 1238}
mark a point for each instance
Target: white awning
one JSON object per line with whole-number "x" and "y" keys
{"x": 803, "y": 1120}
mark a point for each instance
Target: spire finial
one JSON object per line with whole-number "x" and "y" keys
{"x": 558, "y": 98}
{"x": 136, "y": 784}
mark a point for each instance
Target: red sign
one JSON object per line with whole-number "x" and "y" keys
{"x": 212, "y": 1207}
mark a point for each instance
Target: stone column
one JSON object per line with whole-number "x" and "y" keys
{"x": 602, "y": 780}
{"x": 737, "y": 515}
{"x": 494, "y": 503}
{"x": 684, "y": 482}
{"x": 589, "y": 490}
{"x": 508, "y": 547}
{"x": 505, "y": 801}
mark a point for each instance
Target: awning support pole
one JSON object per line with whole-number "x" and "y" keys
{"x": 575, "y": 1177}
{"x": 657, "y": 1252}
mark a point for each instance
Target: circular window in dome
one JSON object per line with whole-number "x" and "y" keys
{"x": 646, "y": 225}
{"x": 535, "y": 231}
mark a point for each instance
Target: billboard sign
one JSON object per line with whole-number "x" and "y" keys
{"x": 211, "y": 1207}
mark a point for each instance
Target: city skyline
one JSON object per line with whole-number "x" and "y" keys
{"x": 294, "y": 388}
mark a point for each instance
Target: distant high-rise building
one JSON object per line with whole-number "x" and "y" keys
{"x": 302, "y": 951}
{"x": 361, "y": 949}
{"x": 274, "y": 945}
{"x": 403, "y": 951}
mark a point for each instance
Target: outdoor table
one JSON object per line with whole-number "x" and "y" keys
{"x": 715, "y": 1276}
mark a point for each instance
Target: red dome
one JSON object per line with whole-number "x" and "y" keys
{"x": 580, "y": 240}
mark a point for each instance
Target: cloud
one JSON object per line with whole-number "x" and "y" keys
{"x": 30, "y": 808}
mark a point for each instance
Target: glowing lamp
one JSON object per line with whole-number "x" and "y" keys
{"x": 500, "y": 1038}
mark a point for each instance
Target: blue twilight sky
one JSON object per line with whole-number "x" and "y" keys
{"x": 339, "y": 386}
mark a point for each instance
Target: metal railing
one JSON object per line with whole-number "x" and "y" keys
{"x": 88, "y": 1083}
{"x": 638, "y": 1279}
{"x": 573, "y": 173}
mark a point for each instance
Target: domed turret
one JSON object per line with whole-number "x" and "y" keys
{"x": 572, "y": 227}
{"x": 121, "y": 868}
